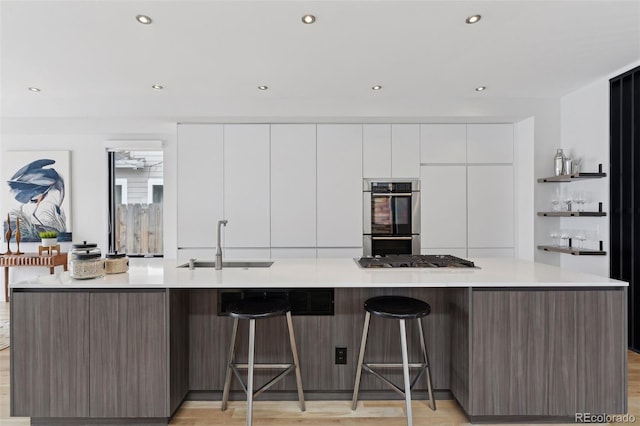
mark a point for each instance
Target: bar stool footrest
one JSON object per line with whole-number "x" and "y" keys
{"x": 369, "y": 367}
{"x": 288, "y": 368}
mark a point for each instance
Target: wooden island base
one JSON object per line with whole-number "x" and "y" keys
{"x": 132, "y": 356}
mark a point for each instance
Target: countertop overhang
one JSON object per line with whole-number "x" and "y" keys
{"x": 327, "y": 273}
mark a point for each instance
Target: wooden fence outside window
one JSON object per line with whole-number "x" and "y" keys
{"x": 139, "y": 229}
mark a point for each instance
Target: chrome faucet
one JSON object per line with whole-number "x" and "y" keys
{"x": 219, "y": 248}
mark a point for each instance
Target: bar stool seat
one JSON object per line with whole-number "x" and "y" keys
{"x": 397, "y": 308}
{"x": 252, "y": 310}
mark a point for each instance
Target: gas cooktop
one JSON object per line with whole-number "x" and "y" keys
{"x": 414, "y": 261}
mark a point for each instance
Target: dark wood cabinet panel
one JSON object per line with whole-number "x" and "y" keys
{"x": 599, "y": 339}
{"x": 50, "y": 354}
{"x": 562, "y": 371}
{"x": 178, "y": 347}
{"x": 459, "y": 309}
{"x": 548, "y": 352}
{"x": 128, "y": 354}
{"x": 523, "y": 353}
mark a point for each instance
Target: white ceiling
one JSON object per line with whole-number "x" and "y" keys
{"x": 93, "y": 59}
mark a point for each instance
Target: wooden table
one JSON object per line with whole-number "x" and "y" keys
{"x": 30, "y": 259}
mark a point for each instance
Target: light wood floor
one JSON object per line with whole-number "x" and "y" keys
{"x": 319, "y": 413}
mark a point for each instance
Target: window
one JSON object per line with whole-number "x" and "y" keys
{"x": 121, "y": 191}
{"x": 136, "y": 202}
{"x": 155, "y": 189}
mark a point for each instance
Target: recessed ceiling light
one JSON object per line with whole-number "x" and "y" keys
{"x": 263, "y": 87}
{"x": 376, "y": 87}
{"x": 34, "y": 89}
{"x": 308, "y": 19}
{"x": 144, "y": 19}
{"x": 473, "y": 19}
{"x": 157, "y": 87}
{"x": 480, "y": 88}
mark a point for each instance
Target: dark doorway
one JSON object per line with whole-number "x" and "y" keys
{"x": 624, "y": 132}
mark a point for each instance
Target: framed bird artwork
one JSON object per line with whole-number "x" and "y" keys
{"x": 36, "y": 189}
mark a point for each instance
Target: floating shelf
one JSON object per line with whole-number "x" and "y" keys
{"x": 574, "y": 251}
{"x": 575, "y": 176}
{"x": 574, "y": 214}
{"x": 571, "y": 214}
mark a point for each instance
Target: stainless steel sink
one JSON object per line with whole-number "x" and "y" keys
{"x": 228, "y": 264}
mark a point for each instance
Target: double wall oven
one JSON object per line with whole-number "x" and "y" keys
{"x": 391, "y": 217}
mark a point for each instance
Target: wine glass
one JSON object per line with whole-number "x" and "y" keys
{"x": 555, "y": 200}
{"x": 564, "y": 236}
{"x": 567, "y": 199}
{"x": 577, "y": 162}
{"x": 555, "y": 236}
{"x": 579, "y": 199}
{"x": 580, "y": 235}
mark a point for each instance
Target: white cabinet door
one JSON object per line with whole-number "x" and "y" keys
{"x": 293, "y": 253}
{"x": 495, "y": 252}
{"x": 293, "y": 185}
{"x": 199, "y": 182}
{"x": 376, "y": 150}
{"x": 443, "y": 203}
{"x": 491, "y": 206}
{"x": 341, "y": 253}
{"x": 246, "y": 185}
{"x": 490, "y": 143}
{"x": 405, "y": 151}
{"x": 339, "y": 185}
{"x": 443, "y": 143}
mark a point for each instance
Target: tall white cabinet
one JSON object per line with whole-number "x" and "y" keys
{"x": 467, "y": 189}
{"x": 200, "y": 183}
{"x": 293, "y": 185}
{"x": 246, "y": 186}
{"x": 339, "y": 185}
{"x": 490, "y": 189}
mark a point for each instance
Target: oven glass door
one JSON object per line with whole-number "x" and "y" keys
{"x": 390, "y": 214}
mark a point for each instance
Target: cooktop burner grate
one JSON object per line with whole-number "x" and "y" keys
{"x": 414, "y": 261}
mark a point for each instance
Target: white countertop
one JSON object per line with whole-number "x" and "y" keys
{"x": 310, "y": 273}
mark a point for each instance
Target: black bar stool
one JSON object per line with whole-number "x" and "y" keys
{"x": 252, "y": 310}
{"x": 399, "y": 308}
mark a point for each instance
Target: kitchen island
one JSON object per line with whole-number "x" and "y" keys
{"x": 510, "y": 340}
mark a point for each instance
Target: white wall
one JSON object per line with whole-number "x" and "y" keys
{"x": 585, "y": 134}
{"x": 524, "y": 148}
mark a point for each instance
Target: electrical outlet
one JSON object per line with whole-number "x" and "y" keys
{"x": 341, "y": 355}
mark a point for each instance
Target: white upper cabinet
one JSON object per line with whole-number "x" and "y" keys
{"x": 293, "y": 185}
{"x": 376, "y": 150}
{"x": 443, "y": 143}
{"x": 443, "y": 202}
{"x": 199, "y": 181}
{"x": 490, "y": 143}
{"x": 339, "y": 160}
{"x": 491, "y": 206}
{"x": 405, "y": 151}
{"x": 246, "y": 185}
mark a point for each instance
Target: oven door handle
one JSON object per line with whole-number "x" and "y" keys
{"x": 391, "y": 194}
{"x": 392, "y": 238}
